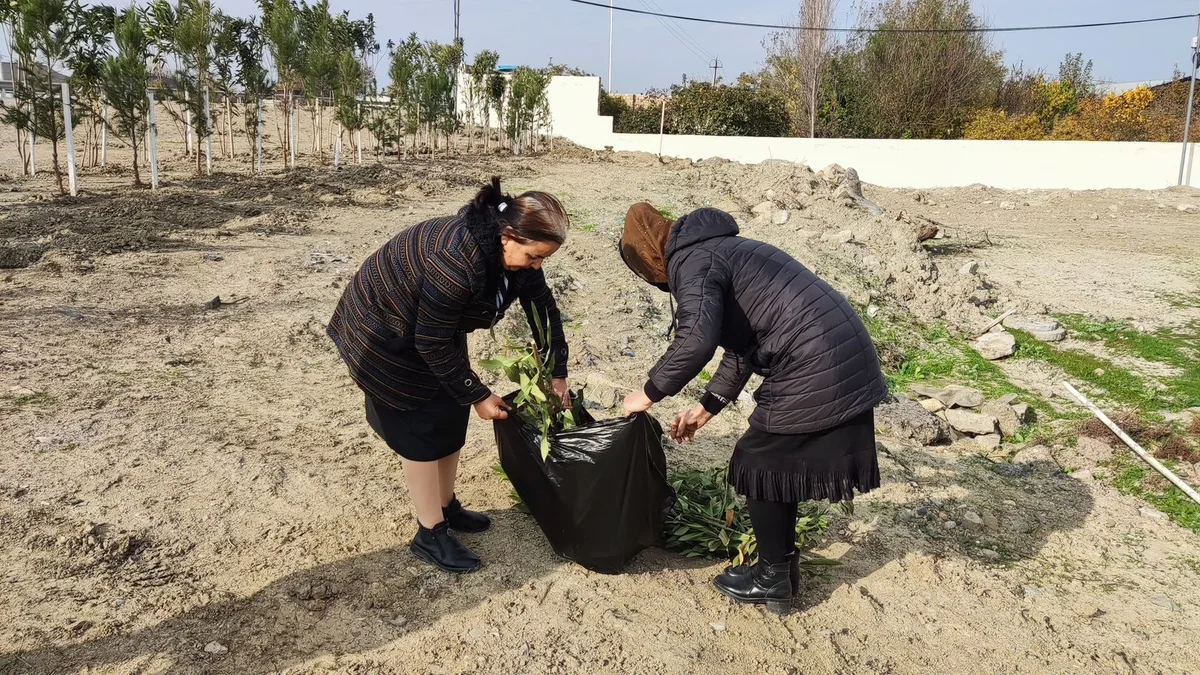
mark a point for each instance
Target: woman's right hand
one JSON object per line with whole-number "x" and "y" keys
{"x": 492, "y": 408}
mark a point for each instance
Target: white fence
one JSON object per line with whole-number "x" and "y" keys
{"x": 1074, "y": 165}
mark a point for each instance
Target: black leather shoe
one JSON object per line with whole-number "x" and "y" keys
{"x": 760, "y": 584}
{"x": 438, "y": 547}
{"x": 462, "y": 520}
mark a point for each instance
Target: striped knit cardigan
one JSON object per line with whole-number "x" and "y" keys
{"x": 401, "y": 324}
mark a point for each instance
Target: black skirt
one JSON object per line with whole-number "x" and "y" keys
{"x": 434, "y": 431}
{"x": 829, "y": 464}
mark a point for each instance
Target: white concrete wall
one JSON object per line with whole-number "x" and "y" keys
{"x": 1075, "y": 165}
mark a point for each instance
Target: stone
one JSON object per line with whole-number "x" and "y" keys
{"x": 1185, "y": 208}
{"x": 969, "y": 269}
{"x": 932, "y": 405}
{"x": 216, "y": 648}
{"x": 400, "y": 621}
{"x": 906, "y": 419}
{"x": 953, "y": 396}
{"x": 996, "y": 346}
{"x": 763, "y": 209}
{"x": 1009, "y": 398}
{"x": 1056, "y": 335}
{"x": 1152, "y": 514}
{"x": 602, "y": 391}
{"x": 1008, "y": 206}
{"x": 971, "y": 422}
{"x": 717, "y": 626}
{"x": 1094, "y": 450}
{"x": 990, "y": 523}
{"x": 950, "y": 524}
{"x": 1033, "y": 454}
{"x": 972, "y": 518}
{"x": 840, "y": 237}
{"x": 988, "y": 442}
{"x": 1005, "y": 416}
{"x": 1032, "y": 592}
{"x": 1023, "y": 411}
{"x": 780, "y": 217}
{"x": 476, "y": 634}
{"x": 227, "y": 343}
{"x": 1031, "y": 324}
{"x": 1095, "y": 216}
{"x": 22, "y": 392}
{"x": 214, "y": 257}
{"x": 1166, "y": 603}
{"x": 769, "y": 194}
{"x": 989, "y": 554}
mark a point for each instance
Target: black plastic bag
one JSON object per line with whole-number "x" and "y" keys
{"x": 601, "y": 496}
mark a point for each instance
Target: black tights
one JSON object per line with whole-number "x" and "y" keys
{"x": 774, "y": 527}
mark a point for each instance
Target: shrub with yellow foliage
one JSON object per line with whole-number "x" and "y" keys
{"x": 997, "y": 125}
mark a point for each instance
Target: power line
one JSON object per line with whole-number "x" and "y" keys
{"x": 692, "y": 44}
{"x": 1012, "y": 29}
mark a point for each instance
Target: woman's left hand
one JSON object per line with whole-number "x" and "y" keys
{"x": 637, "y": 402}
{"x": 562, "y": 390}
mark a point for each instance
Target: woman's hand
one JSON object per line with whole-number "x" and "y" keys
{"x": 492, "y": 408}
{"x": 684, "y": 428}
{"x": 562, "y": 391}
{"x": 637, "y": 402}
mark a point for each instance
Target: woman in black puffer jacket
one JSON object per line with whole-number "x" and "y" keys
{"x": 812, "y": 435}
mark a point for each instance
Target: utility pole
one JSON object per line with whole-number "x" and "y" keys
{"x": 608, "y": 82}
{"x": 1187, "y": 125}
{"x": 457, "y": 13}
{"x": 715, "y": 65}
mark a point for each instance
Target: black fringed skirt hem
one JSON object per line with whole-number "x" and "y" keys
{"x": 829, "y": 464}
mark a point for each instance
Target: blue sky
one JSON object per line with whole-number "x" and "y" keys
{"x": 646, "y": 55}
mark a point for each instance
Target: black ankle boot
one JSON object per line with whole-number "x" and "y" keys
{"x": 462, "y": 520}
{"x": 438, "y": 547}
{"x": 794, "y": 574}
{"x": 760, "y": 584}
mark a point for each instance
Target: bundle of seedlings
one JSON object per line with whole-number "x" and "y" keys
{"x": 710, "y": 520}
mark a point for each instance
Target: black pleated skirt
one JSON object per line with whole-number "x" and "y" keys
{"x": 829, "y": 464}
{"x": 434, "y": 431}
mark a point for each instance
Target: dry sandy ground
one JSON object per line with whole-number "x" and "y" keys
{"x": 196, "y": 491}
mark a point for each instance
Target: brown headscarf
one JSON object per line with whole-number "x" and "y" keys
{"x": 644, "y": 243}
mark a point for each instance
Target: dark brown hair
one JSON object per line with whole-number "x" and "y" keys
{"x": 532, "y": 216}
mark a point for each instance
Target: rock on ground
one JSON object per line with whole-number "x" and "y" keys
{"x": 971, "y": 422}
{"x": 952, "y": 396}
{"x": 996, "y": 346}
{"x": 1007, "y": 418}
{"x": 907, "y": 419}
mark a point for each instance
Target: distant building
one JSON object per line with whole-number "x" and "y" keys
{"x": 1106, "y": 88}
{"x": 7, "y": 71}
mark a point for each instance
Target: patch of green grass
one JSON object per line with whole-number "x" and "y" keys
{"x": 1175, "y": 347}
{"x": 588, "y": 227}
{"x": 705, "y": 376}
{"x": 912, "y": 355}
{"x": 1130, "y": 479}
{"x": 667, "y": 212}
{"x": 1119, "y": 384}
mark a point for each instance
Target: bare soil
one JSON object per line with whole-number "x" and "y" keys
{"x": 196, "y": 490}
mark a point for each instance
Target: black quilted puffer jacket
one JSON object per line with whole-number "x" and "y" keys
{"x": 774, "y": 318}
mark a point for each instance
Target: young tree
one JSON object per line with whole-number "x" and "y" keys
{"x": 226, "y": 42}
{"x": 403, "y": 90}
{"x": 86, "y": 60}
{"x": 441, "y": 74}
{"x": 526, "y": 105}
{"x": 348, "y": 110}
{"x": 190, "y": 41}
{"x": 125, "y": 79}
{"x": 46, "y": 34}
{"x": 282, "y": 27}
{"x": 796, "y": 64}
{"x": 252, "y": 76}
{"x": 483, "y": 67}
